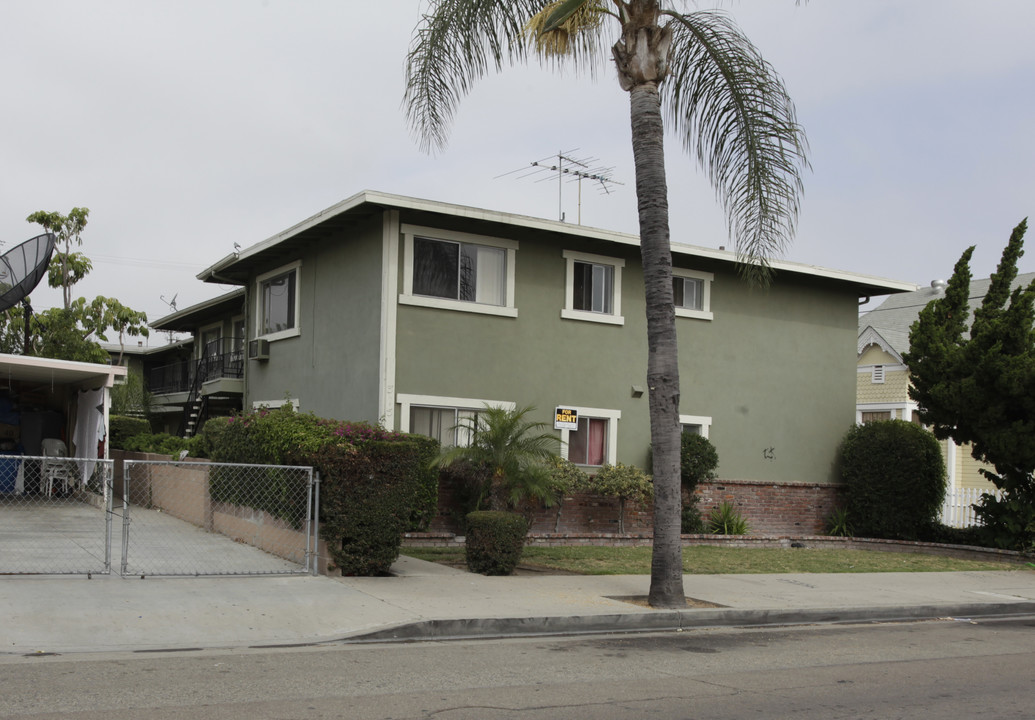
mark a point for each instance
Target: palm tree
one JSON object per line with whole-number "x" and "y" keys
{"x": 515, "y": 452}
{"x": 728, "y": 105}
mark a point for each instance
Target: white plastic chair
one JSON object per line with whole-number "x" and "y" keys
{"x": 57, "y": 469}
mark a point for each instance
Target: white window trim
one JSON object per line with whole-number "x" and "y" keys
{"x": 408, "y": 298}
{"x": 290, "y": 332}
{"x": 877, "y": 375}
{"x": 274, "y": 404}
{"x": 569, "y": 312}
{"x": 406, "y": 401}
{"x": 612, "y": 416}
{"x": 899, "y": 411}
{"x": 703, "y": 420}
{"x": 705, "y": 313}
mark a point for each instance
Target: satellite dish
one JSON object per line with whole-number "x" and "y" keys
{"x": 22, "y": 267}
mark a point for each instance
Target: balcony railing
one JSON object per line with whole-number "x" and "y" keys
{"x": 223, "y": 358}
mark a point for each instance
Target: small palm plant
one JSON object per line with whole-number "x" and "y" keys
{"x": 517, "y": 453}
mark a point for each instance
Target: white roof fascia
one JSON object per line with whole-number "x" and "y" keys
{"x": 870, "y": 336}
{"x": 37, "y": 369}
{"x": 524, "y": 221}
{"x": 172, "y": 317}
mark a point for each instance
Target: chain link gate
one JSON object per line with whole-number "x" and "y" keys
{"x": 55, "y": 515}
{"x": 64, "y": 516}
{"x": 198, "y": 518}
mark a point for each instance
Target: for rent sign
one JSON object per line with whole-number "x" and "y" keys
{"x": 566, "y": 419}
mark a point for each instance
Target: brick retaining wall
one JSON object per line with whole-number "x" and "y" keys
{"x": 770, "y": 509}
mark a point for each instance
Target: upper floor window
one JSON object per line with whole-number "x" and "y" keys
{"x": 593, "y": 288}
{"x": 691, "y": 293}
{"x": 458, "y": 271}
{"x": 277, "y": 314}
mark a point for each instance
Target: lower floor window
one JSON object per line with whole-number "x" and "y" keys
{"x": 450, "y": 426}
{"x": 875, "y": 416}
{"x": 588, "y": 444}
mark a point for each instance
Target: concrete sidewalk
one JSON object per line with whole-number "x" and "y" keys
{"x": 49, "y": 614}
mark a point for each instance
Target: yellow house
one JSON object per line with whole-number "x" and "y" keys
{"x": 882, "y": 385}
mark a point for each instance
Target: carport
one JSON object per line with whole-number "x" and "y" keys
{"x": 44, "y": 398}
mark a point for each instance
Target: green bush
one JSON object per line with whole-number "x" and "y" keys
{"x": 838, "y": 524}
{"x": 626, "y": 482}
{"x": 690, "y": 521}
{"x": 160, "y": 443}
{"x": 697, "y": 460}
{"x": 894, "y": 479}
{"x": 727, "y": 520}
{"x": 495, "y": 541}
{"x": 121, "y": 428}
{"x": 565, "y": 478}
{"x": 282, "y": 436}
{"x": 365, "y": 497}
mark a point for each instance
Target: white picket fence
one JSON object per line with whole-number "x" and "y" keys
{"x": 958, "y": 509}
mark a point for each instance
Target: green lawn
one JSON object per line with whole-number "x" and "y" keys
{"x": 707, "y": 560}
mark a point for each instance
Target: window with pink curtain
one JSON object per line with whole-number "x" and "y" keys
{"x": 588, "y": 444}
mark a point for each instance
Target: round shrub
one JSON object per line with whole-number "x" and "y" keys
{"x": 121, "y": 428}
{"x": 495, "y": 541}
{"x": 894, "y": 478}
{"x": 626, "y": 482}
{"x": 697, "y": 460}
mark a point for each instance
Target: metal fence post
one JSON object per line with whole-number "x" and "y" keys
{"x": 109, "y": 502}
{"x": 314, "y": 536}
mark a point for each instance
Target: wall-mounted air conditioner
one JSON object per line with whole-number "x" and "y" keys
{"x": 259, "y": 350}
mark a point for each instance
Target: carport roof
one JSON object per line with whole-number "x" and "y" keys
{"x": 84, "y": 376}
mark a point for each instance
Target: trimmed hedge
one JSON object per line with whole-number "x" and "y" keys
{"x": 365, "y": 497}
{"x": 160, "y": 443}
{"x": 495, "y": 541}
{"x": 894, "y": 479}
{"x": 121, "y": 428}
{"x": 283, "y": 437}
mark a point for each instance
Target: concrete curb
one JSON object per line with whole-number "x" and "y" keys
{"x": 675, "y": 620}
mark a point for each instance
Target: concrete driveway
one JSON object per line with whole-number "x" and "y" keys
{"x": 66, "y": 536}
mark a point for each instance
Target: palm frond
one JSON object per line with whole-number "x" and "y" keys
{"x": 568, "y": 29}
{"x": 734, "y": 114}
{"x": 459, "y": 41}
{"x": 455, "y": 43}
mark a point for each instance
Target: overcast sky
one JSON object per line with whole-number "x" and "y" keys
{"x": 188, "y": 126}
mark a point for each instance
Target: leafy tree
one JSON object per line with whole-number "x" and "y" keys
{"x": 981, "y": 389}
{"x": 131, "y": 398}
{"x": 70, "y": 267}
{"x": 71, "y": 332}
{"x": 727, "y": 104}
{"x": 517, "y": 454}
{"x": 626, "y": 482}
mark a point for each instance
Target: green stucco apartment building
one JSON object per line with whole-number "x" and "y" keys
{"x": 413, "y": 313}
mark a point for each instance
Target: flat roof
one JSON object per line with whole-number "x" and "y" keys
{"x": 84, "y": 376}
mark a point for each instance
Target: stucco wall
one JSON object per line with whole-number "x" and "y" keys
{"x": 773, "y": 369}
{"x": 331, "y": 367}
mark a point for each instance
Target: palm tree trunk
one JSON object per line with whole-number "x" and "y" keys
{"x": 666, "y": 581}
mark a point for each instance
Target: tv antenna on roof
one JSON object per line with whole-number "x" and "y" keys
{"x": 170, "y": 303}
{"x": 563, "y": 166}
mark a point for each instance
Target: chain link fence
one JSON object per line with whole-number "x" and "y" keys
{"x": 179, "y": 518}
{"x": 55, "y": 515}
{"x": 79, "y": 516}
